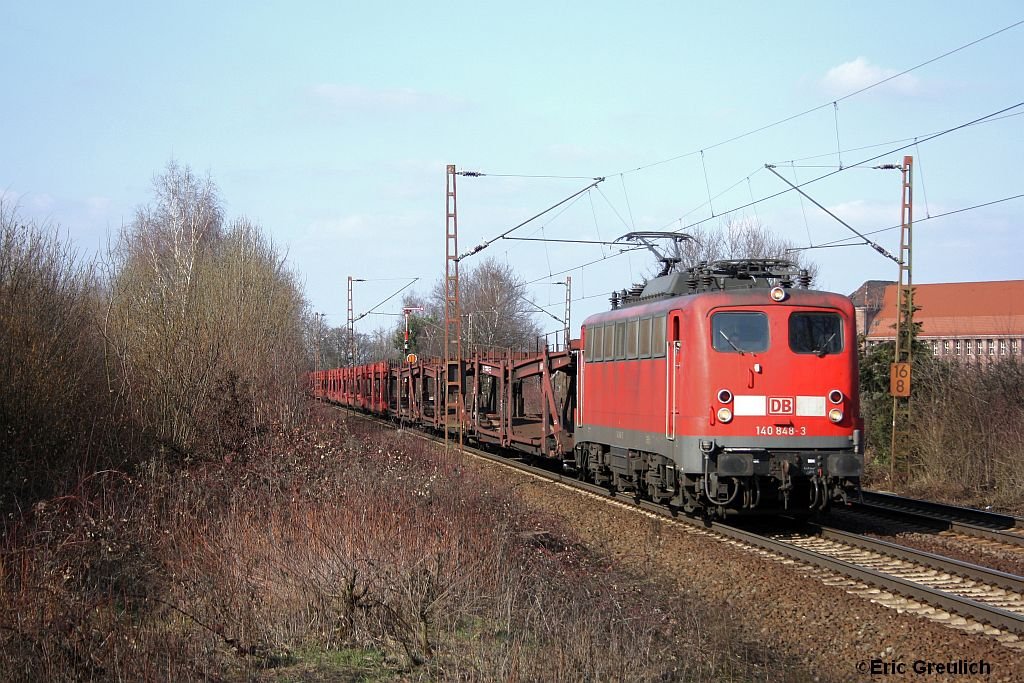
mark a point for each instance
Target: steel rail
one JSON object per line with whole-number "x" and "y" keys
{"x": 995, "y": 616}
{"x": 967, "y": 521}
{"x": 994, "y": 577}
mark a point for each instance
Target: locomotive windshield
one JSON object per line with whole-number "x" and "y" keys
{"x": 739, "y": 332}
{"x": 818, "y": 333}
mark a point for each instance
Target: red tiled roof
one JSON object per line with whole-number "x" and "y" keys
{"x": 958, "y": 309}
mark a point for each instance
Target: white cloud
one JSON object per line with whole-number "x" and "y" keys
{"x": 357, "y": 98}
{"x": 859, "y": 73}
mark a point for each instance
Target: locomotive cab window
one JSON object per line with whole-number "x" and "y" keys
{"x": 739, "y": 332}
{"x": 817, "y": 333}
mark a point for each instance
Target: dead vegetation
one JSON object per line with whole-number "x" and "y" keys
{"x": 967, "y": 430}
{"x": 343, "y": 550}
{"x": 55, "y": 423}
{"x": 203, "y": 322}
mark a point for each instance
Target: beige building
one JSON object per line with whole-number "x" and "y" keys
{"x": 979, "y": 321}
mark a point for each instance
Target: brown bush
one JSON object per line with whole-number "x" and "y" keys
{"x": 968, "y": 425}
{"x": 336, "y": 539}
{"x": 54, "y": 413}
{"x": 204, "y": 324}
{"x": 967, "y": 429}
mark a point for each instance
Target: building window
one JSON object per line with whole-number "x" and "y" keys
{"x": 991, "y": 347}
{"x": 957, "y": 347}
{"x": 1014, "y": 346}
{"x": 969, "y": 346}
{"x": 945, "y": 347}
{"x": 935, "y": 348}
{"x": 1002, "y": 347}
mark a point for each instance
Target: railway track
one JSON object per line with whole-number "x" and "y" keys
{"x": 1003, "y": 529}
{"x": 943, "y": 589}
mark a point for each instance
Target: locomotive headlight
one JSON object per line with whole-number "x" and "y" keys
{"x": 724, "y": 415}
{"x": 724, "y": 396}
{"x": 835, "y": 396}
{"x": 835, "y": 415}
{"x": 778, "y": 294}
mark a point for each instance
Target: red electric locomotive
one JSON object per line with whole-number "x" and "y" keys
{"x": 729, "y": 387}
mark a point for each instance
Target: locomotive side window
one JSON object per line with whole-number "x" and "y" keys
{"x": 631, "y": 338}
{"x": 591, "y": 350}
{"x": 739, "y": 332}
{"x": 658, "y": 337}
{"x": 620, "y": 341}
{"x": 645, "y": 338}
{"x": 609, "y": 342}
{"x": 818, "y": 333}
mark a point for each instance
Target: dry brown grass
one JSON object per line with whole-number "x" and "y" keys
{"x": 339, "y": 551}
{"x": 967, "y": 434}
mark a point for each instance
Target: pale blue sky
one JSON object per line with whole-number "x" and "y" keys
{"x": 331, "y": 124}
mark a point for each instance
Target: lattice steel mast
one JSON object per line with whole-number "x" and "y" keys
{"x": 568, "y": 311}
{"x": 900, "y": 373}
{"x": 351, "y": 327}
{"x": 452, "y": 319}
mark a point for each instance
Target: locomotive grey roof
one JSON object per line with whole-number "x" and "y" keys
{"x": 716, "y": 276}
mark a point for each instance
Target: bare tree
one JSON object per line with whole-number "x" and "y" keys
{"x": 204, "y": 327}
{"x": 736, "y": 239}
{"x": 496, "y": 312}
{"x": 53, "y": 406}
{"x": 332, "y": 343}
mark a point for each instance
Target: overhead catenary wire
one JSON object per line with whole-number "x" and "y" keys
{"x": 480, "y": 174}
{"x": 389, "y": 298}
{"x": 996, "y": 115}
{"x": 593, "y": 211}
{"x": 819, "y": 107}
{"x": 839, "y": 149}
{"x": 541, "y": 228}
{"x": 933, "y": 136}
{"x": 920, "y": 174}
{"x": 612, "y": 207}
{"x": 803, "y": 209}
{"x": 583, "y": 265}
{"x": 843, "y": 242}
{"x": 874, "y": 245}
{"x": 753, "y": 203}
{"x": 568, "y": 241}
{"x": 483, "y": 245}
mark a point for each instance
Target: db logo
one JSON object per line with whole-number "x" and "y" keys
{"x": 778, "y": 405}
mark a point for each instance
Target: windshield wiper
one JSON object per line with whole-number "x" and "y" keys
{"x": 821, "y": 350}
{"x": 726, "y": 337}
